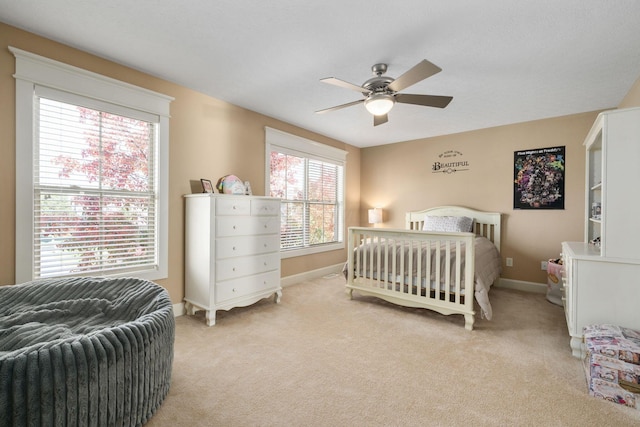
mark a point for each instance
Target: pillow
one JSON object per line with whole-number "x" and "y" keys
{"x": 448, "y": 223}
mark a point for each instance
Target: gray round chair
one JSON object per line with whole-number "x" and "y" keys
{"x": 84, "y": 351}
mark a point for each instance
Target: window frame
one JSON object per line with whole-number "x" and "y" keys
{"x": 36, "y": 71}
{"x": 302, "y": 147}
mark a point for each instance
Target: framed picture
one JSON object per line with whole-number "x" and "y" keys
{"x": 207, "y": 186}
{"x": 538, "y": 178}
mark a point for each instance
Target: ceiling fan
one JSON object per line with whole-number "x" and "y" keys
{"x": 381, "y": 92}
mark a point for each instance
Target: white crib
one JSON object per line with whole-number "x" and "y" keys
{"x": 433, "y": 270}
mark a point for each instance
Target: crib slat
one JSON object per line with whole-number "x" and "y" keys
{"x": 377, "y": 261}
{"x": 354, "y": 238}
{"x": 459, "y": 271}
{"x": 447, "y": 271}
{"x": 410, "y": 268}
{"x": 418, "y": 284}
{"x": 388, "y": 282}
{"x": 394, "y": 263}
{"x": 402, "y": 266}
{"x": 428, "y": 273}
{"x": 438, "y": 270}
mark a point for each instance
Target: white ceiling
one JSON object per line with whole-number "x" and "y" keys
{"x": 503, "y": 61}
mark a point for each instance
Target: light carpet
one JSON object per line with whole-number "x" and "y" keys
{"x": 322, "y": 359}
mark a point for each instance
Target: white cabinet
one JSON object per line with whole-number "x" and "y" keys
{"x": 602, "y": 274}
{"x": 232, "y": 252}
{"x": 598, "y": 290}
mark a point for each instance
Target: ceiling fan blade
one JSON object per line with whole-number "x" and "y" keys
{"x": 419, "y": 72}
{"x": 342, "y": 83}
{"x": 379, "y": 120}
{"x": 338, "y": 107}
{"x": 426, "y": 100}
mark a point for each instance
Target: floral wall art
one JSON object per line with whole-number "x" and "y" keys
{"x": 538, "y": 178}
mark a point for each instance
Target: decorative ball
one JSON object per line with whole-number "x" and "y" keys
{"x": 230, "y": 184}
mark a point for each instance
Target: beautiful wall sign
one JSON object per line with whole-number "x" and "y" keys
{"x": 538, "y": 178}
{"x": 450, "y": 162}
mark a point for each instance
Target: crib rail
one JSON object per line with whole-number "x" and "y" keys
{"x": 414, "y": 268}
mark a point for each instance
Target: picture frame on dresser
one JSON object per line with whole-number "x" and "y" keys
{"x": 207, "y": 186}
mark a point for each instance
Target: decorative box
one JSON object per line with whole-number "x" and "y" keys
{"x": 612, "y": 363}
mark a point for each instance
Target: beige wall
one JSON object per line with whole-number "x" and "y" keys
{"x": 398, "y": 177}
{"x": 632, "y": 99}
{"x": 208, "y": 139}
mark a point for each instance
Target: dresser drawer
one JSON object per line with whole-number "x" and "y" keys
{"x": 247, "y": 245}
{"x": 265, "y": 207}
{"x": 244, "y": 286}
{"x": 246, "y": 266}
{"x": 233, "y": 206}
{"x": 229, "y": 226}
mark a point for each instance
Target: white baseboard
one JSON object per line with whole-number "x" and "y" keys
{"x": 521, "y": 285}
{"x": 179, "y": 310}
{"x": 310, "y": 275}
{"x": 538, "y": 288}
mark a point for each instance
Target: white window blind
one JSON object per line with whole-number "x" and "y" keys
{"x": 309, "y": 179}
{"x": 94, "y": 191}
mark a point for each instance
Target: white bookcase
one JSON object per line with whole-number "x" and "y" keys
{"x": 232, "y": 252}
{"x": 612, "y": 176}
{"x": 601, "y": 280}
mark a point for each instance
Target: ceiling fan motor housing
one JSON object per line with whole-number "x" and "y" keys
{"x": 380, "y": 100}
{"x": 378, "y": 83}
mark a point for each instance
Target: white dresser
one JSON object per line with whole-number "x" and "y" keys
{"x": 601, "y": 280}
{"x": 232, "y": 252}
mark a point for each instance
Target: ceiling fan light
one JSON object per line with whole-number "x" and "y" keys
{"x": 379, "y": 104}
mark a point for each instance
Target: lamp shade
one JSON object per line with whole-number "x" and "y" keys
{"x": 379, "y": 104}
{"x": 375, "y": 216}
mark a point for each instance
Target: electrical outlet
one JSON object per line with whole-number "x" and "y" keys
{"x": 509, "y": 262}
{"x": 543, "y": 265}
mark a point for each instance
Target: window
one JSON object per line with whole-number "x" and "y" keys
{"x": 91, "y": 155}
{"x": 309, "y": 179}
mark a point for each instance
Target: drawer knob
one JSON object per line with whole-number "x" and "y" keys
{"x": 234, "y": 248}
{"x": 233, "y": 269}
{"x": 234, "y": 227}
{"x": 234, "y": 289}
{"x": 265, "y": 263}
{"x": 265, "y": 226}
